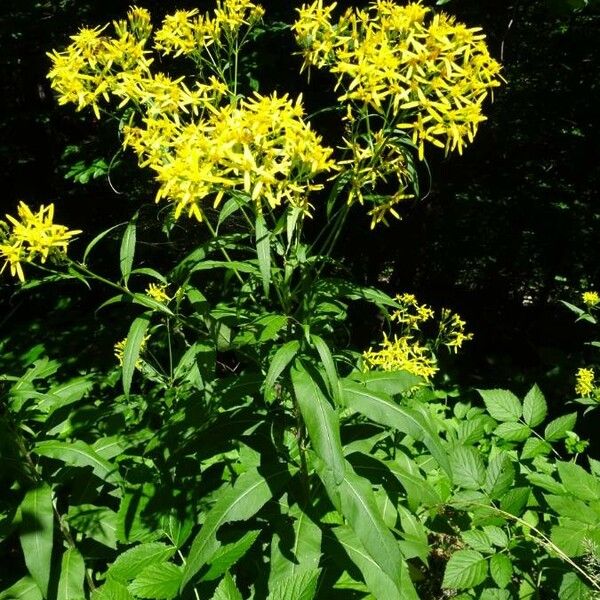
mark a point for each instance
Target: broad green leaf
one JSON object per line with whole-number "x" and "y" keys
{"x": 132, "y": 517}
{"x": 79, "y": 454}
{"x": 228, "y": 555}
{"x": 160, "y": 580}
{"x": 263, "y": 251}
{"x": 477, "y": 540}
{"x": 177, "y": 529}
{"x": 65, "y": 394}
{"x": 227, "y": 590}
{"x": 468, "y": 470}
{"x": 302, "y": 585}
{"x": 131, "y": 352}
{"x": 502, "y": 405}
{"x": 499, "y": 476}
{"x": 513, "y": 432}
{"x": 250, "y": 492}
{"x": 567, "y": 506}
{"x": 96, "y": 522}
{"x": 281, "y": 359}
{"x": 495, "y": 594}
{"x": 321, "y": 420}
{"x": 501, "y": 569}
{"x": 380, "y": 408}
{"x": 111, "y": 590}
{"x": 546, "y": 482}
{"x": 515, "y": 500}
{"x": 72, "y": 574}
{"x": 578, "y": 481}
{"x": 573, "y": 588}
{"x": 465, "y": 569}
{"x": 535, "y": 408}
{"x": 24, "y": 589}
{"x": 571, "y": 537}
{"x": 304, "y": 553}
{"x": 496, "y": 535}
{"x": 329, "y": 368}
{"x": 535, "y": 447}
{"x": 128, "y": 565}
{"x": 127, "y": 251}
{"x": 391, "y": 382}
{"x": 419, "y": 491}
{"x": 36, "y": 534}
{"x": 414, "y": 542}
{"x": 557, "y": 429}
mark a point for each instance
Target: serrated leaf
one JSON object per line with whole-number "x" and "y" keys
{"x": 465, "y": 569}
{"x": 177, "y": 529}
{"x": 535, "y": 447}
{"x": 228, "y": 555}
{"x": 158, "y": 581}
{"x": 557, "y": 429}
{"x": 379, "y": 407}
{"x": 571, "y": 536}
{"x": 477, "y": 540}
{"x": 36, "y": 534}
{"x": 129, "y": 564}
{"x": 239, "y": 502}
{"x": 567, "y": 506}
{"x": 496, "y": 535}
{"x": 501, "y": 570}
{"x": 96, "y": 522}
{"x": 24, "y": 589}
{"x": 281, "y": 359}
{"x": 127, "y": 250}
{"x": 578, "y": 481}
{"x": 302, "y": 585}
{"x": 321, "y": 420}
{"x": 515, "y": 500}
{"x": 573, "y": 588}
{"x": 499, "y": 476}
{"x": 468, "y": 470}
{"x": 546, "y": 482}
{"x": 502, "y": 405}
{"x": 72, "y": 574}
{"x": 111, "y": 590}
{"x": 227, "y": 590}
{"x": 535, "y": 408}
{"x": 513, "y": 432}
{"x": 263, "y": 251}
{"x": 131, "y": 352}
{"x": 496, "y": 594}
{"x": 79, "y": 454}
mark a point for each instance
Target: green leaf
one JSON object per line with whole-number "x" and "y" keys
{"x": 97, "y": 239}
{"x": 535, "y": 408}
{"x": 571, "y": 537}
{"x": 228, "y": 555}
{"x": 329, "y": 367}
{"x": 321, "y": 420}
{"x": 160, "y": 580}
{"x": 250, "y": 492}
{"x": 111, "y": 590}
{"x": 72, "y": 574}
{"x": 465, "y": 569}
{"x": 578, "y": 481}
{"x": 419, "y": 491}
{"x": 24, "y": 589}
{"x": 281, "y": 359}
{"x": 477, "y": 540}
{"x": 302, "y": 585}
{"x": 127, "y": 251}
{"x": 557, "y": 429}
{"x": 128, "y": 565}
{"x": 535, "y": 447}
{"x": 36, "y": 534}
{"x": 304, "y": 553}
{"x": 572, "y": 588}
{"x": 468, "y": 470}
{"x": 65, "y": 394}
{"x": 501, "y": 569}
{"x": 177, "y": 529}
{"x": 148, "y": 302}
{"x": 227, "y": 590}
{"x": 131, "y": 352}
{"x": 96, "y": 522}
{"x": 567, "y": 506}
{"x": 499, "y": 476}
{"x": 515, "y": 500}
{"x": 390, "y": 382}
{"x": 263, "y": 251}
{"x": 79, "y": 454}
{"x": 380, "y": 408}
{"x": 513, "y": 432}
{"x": 502, "y": 405}
{"x": 378, "y": 583}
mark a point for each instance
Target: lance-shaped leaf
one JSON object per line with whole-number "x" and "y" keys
{"x": 37, "y": 526}
{"x": 379, "y": 407}
{"x": 263, "y": 251}
{"x": 251, "y": 491}
{"x": 281, "y": 359}
{"x": 131, "y": 352}
{"x": 72, "y": 573}
{"x": 128, "y": 249}
{"x": 321, "y": 420}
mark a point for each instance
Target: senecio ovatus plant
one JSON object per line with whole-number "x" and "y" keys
{"x": 253, "y": 453}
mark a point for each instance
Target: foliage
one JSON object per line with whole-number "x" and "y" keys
{"x": 243, "y": 448}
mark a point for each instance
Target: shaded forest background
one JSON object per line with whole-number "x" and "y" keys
{"x": 503, "y": 234}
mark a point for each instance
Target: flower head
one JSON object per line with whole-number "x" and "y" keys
{"x": 590, "y": 298}
{"x": 158, "y": 292}
{"x": 584, "y": 385}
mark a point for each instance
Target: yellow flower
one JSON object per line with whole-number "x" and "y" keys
{"x": 119, "y": 351}
{"x": 30, "y": 237}
{"x": 158, "y": 292}
{"x": 584, "y": 382}
{"x": 590, "y": 298}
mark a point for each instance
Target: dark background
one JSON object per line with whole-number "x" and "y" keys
{"x": 506, "y": 231}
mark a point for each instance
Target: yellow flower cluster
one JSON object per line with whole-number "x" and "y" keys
{"x": 584, "y": 382}
{"x": 119, "y": 351}
{"x": 261, "y": 148}
{"x": 424, "y": 73}
{"x": 590, "y": 298}
{"x": 408, "y": 352}
{"x": 158, "y": 292}
{"x": 30, "y": 237}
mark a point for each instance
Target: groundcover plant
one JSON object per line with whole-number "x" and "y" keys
{"x": 244, "y": 448}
